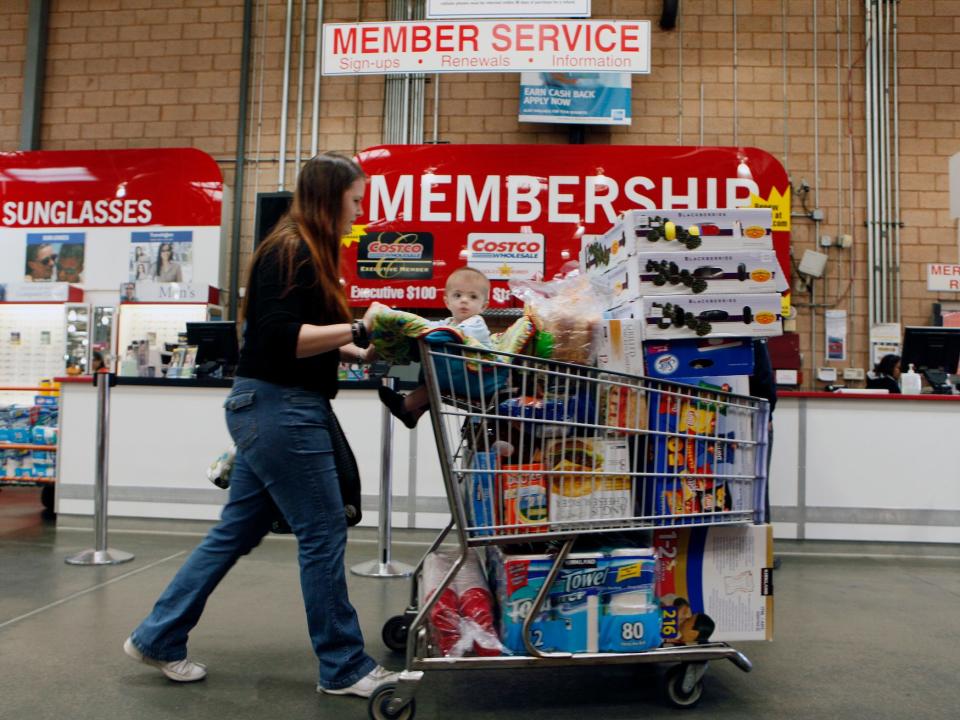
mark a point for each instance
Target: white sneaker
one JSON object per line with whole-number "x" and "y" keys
{"x": 365, "y": 686}
{"x": 178, "y": 670}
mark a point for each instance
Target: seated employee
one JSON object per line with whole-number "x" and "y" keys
{"x": 885, "y": 374}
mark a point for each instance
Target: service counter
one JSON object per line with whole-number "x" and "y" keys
{"x": 866, "y": 467}
{"x": 164, "y": 434}
{"x": 844, "y": 467}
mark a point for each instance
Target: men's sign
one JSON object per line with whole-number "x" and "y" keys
{"x": 486, "y": 46}
{"x": 516, "y": 211}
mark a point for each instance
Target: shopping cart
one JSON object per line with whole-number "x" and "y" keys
{"x": 520, "y": 440}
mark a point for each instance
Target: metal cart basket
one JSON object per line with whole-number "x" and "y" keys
{"x": 520, "y": 440}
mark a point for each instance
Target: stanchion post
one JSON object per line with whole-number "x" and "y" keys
{"x": 101, "y": 554}
{"x": 384, "y": 565}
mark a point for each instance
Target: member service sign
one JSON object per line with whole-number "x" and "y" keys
{"x": 440, "y": 46}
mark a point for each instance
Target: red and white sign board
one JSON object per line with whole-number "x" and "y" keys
{"x": 520, "y": 210}
{"x": 101, "y": 202}
{"x": 942, "y": 277}
{"x": 486, "y": 46}
{"x": 507, "y": 8}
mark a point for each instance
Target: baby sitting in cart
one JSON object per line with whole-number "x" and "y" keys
{"x": 466, "y": 295}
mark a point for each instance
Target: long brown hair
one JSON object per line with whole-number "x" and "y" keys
{"x": 315, "y": 217}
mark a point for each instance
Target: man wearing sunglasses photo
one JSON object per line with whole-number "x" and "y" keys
{"x": 70, "y": 263}
{"x": 41, "y": 262}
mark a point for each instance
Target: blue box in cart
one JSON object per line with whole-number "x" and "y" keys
{"x": 568, "y": 620}
{"x": 629, "y": 612}
{"x": 483, "y": 493}
{"x": 671, "y": 359}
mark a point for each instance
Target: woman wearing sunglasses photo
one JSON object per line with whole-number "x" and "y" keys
{"x": 41, "y": 262}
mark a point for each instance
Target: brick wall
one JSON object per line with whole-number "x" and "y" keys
{"x": 151, "y": 73}
{"x": 13, "y": 24}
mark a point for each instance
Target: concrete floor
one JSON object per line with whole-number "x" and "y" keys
{"x": 862, "y": 631}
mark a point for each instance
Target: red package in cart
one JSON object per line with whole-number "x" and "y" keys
{"x": 462, "y": 619}
{"x": 476, "y": 608}
{"x": 444, "y": 616}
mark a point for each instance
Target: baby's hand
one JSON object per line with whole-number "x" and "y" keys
{"x": 372, "y": 311}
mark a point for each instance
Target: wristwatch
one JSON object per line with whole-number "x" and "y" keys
{"x": 360, "y": 336}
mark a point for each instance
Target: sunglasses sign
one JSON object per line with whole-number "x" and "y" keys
{"x": 80, "y": 217}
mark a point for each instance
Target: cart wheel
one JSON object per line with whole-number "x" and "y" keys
{"x": 395, "y": 633}
{"x": 379, "y": 707}
{"x": 673, "y": 686}
{"x": 46, "y": 497}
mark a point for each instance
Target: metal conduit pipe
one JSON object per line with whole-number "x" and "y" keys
{"x": 736, "y": 134}
{"x": 783, "y": 67}
{"x": 701, "y": 114}
{"x": 436, "y": 108}
{"x": 285, "y": 99}
{"x": 318, "y": 56}
{"x": 850, "y": 210}
{"x": 816, "y": 174}
{"x": 671, "y": 20}
{"x": 868, "y": 117}
{"x": 839, "y": 221}
{"x": 896, "y": 168}
{"x": 301, "y": 60}
{"x": 883, "y": 157}
{"x": 238, "y": 181}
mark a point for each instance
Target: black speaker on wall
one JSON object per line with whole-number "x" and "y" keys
{"x": 270, "y": 208}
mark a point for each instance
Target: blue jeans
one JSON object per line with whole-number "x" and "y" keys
{"x": 283, "y": 453}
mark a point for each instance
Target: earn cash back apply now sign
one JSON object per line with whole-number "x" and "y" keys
{"x": 487, "y": 46}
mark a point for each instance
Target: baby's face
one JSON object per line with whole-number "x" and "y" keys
{"x": 465, "y": 298}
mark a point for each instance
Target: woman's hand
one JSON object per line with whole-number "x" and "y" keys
{"x": 370, "y": 354}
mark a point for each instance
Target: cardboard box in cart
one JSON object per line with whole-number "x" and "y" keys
{"x": 724, "y": 315}
{"x": 720, "y": 229}
{"x": 719, "y": 577}
{"x": 710, "y": 272}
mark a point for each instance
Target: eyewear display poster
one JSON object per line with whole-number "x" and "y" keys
{"x": 507, "y": 8}
{"x": 161, "y": 256}
{"x": 588, "y": 98}
{"x": 54, "y": 257}
{"x": 518, "y": 211}
{"x": 68, "y": 217}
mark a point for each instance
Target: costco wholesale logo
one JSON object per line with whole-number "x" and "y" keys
{"x": 395, "y": 250}
{"x": 506, "y": 256}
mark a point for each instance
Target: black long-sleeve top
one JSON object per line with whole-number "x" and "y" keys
{"x": 272, "y": 327}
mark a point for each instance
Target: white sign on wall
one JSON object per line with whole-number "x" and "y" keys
{"x": 943, "y": 277}
{"x": 506, "y": 256}
{"x": 507, "y": 8}
{"x": 487, "y": 46}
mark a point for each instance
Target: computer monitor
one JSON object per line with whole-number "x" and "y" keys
{"x": 933, "y": 351}
{"x": 217, "y": 342}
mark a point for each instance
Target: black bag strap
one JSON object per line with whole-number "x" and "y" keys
{"x": 348, "y": 472}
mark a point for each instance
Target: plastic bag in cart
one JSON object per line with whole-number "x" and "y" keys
{"x": 462, "y": 618}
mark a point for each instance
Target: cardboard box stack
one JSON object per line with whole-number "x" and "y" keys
{"x": 691, "y": 290}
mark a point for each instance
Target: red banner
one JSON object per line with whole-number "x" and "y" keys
{"x": 520, "y": 210}
{"x": 170, "y": 187}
